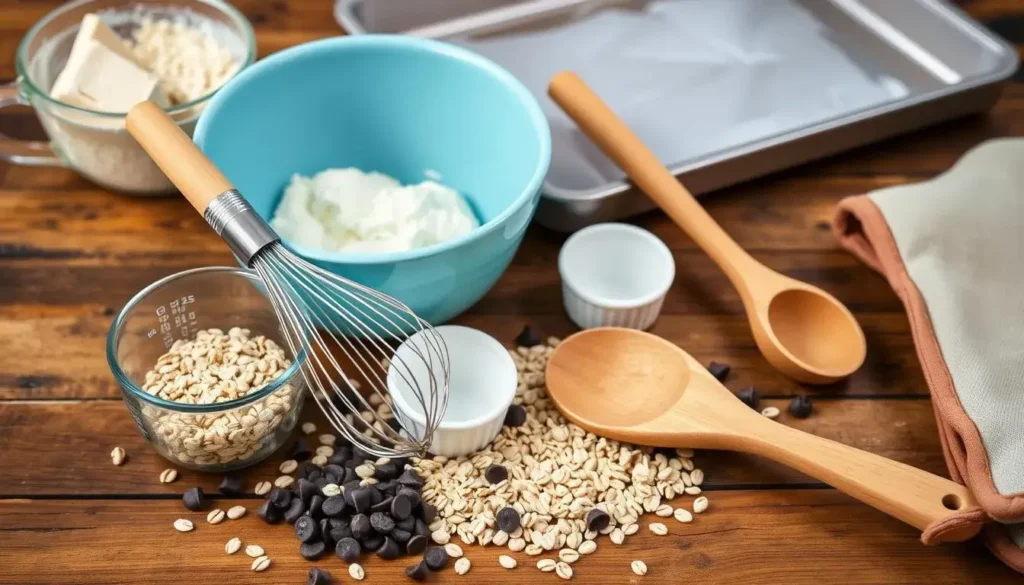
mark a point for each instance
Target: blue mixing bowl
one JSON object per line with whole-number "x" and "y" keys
{"x": 400, "y": 106}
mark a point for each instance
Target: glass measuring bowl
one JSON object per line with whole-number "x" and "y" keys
{"x": 96, "y": 144}
{"x": 208, "y": 437}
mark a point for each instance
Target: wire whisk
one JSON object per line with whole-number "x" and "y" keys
{"x": 349, "y": 334}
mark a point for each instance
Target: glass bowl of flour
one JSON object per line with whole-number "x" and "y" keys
{"x": 192, "y": 46}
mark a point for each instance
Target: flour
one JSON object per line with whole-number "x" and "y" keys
{"x": 352, "y": 211}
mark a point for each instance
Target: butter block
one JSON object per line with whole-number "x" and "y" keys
{"x": 103, "y": 80}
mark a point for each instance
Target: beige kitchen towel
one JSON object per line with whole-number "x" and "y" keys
{"x": 953, "y": 250}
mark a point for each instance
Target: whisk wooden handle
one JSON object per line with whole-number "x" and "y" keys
{"x": 177, "y": 156}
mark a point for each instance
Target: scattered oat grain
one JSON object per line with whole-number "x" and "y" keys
{"x": 285, "y": 481}
{"x": 454, "y": 551}
{"x": 288, "y": 467}
{"x": 168, "y": 475}
{"x": 507, "y": 562}
{"x": 587, "y": 547}
{"x": 462, "y": 566}
{"x": 563, "y": 570}
{"x": 233, "y": 546}
{"x": 546, "y": 565}
{"x": 308, "y": 428}
{"x": 617, "y": 536}
{"x": 263, "y": 488}
{"x": 215, "y": 516}
{"x": 441, "y": 536}
{"x": 254, "y": 550}
{"x": 183, "y": 525}
{"x": 639, "y": 567}
{"x": 356, "y": 572}
{"x": 770, "y": 412}
{"x": 236, "y": 512}
{"x": 328, "y": 439}
{"x": 664, "y": 511}
{"x": 683, "y": 515}
{"x": 533, "y": 549}
{"x": 658, "y": 528}
{"x": 568, "y": 555}
{"x": 700, "y": 504}
{"x": 261, "y": 564}
{"x": 117, "y": 456}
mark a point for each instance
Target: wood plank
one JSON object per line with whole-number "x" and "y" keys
{"x": 51, "y": 352}
{"x": 796, "y": 537}
{"x": 76, "y": 438}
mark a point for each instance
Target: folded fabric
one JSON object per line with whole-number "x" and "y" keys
{"x": 953, "y": 250}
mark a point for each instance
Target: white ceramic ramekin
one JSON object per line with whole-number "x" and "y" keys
{"x": 482, "y": 385}
{"x": 615, "y": 275}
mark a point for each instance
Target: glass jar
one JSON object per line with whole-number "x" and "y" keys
{"x": 220, "y": 436}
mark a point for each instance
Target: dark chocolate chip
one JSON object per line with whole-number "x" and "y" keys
{"x": 362, "y": 499}
{"x": 315, "y": 475}
{"x": 597, "y": 520}
{"x": 318, "y": 576}
{"x": 348, "y": 550}
{"x": 530, "y": 336}
{"x": 417, "y": 572}
{"x": 339, "y": 533}
{"x": 280, "y": 498}
{"x": 301, "y": 450}
{"x": 417, "y": 544}
{"x": 312, "y": 551}
{"x": 750, "y": 396}
{"x": 350, "y": 489}
{"x": 381, "y": 522}
{"x": 194, "y": 499}
{"x": 307, "y": 529}
{"x": 389, "y": 550}
{"x": 372, "y": 542}
{"x": 386, "y": 472}
{"x": 321, "y": 482}
{"x": 719, "y": 371}
{"x": 295, "y": 510}
{"x": 341, "y": 522}
{"x": 269, "y": 513}
{"x": 516, "y": 416}
{"x": 401, "y": 506}
{"x": 336, "y": 470}
{"x": 801, "y": 406}
{"x": 388, "y": 488}
{"x": 333, "y": 506}
{"x": 361, "y": 527}
{"x": 400, "y": 536}
{"x": 429, "y": 512}
{"x": 316, "y": 506}
{"x": 325, "y": 533}
{"x": 509, "y": 520}
{"x": 410, "y": 478}
{"x": 495, "y": 474}
{"x": 383, "y": 506}
{"x": 306, "y": 489}
{"x": 376, "y": 496}
{"x": 231, "y": 485}
{"x": 436, "y": 558}
{"x": 340, "y": 456}
{"x": 406, "y": 524}
{"x": 422, "y": 528}
{"x": 304, "y": 469}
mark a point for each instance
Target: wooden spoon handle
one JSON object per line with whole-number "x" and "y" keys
{"x": 176, "y": 155}
{"x": 616, "y": 140}
{"x": 914, "y": 496}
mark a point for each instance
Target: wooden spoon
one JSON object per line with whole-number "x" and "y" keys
{"x": 804, "y": 332}
{"x": 633, "y": 386}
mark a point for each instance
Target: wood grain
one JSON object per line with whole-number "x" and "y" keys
{"x": 744, "y": 538}
{"x": 75, "y": 437}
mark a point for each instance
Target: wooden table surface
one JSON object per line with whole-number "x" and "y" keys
{"x": 71, "y": 254}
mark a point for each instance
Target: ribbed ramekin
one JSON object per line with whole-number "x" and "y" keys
{"x": 615, "y": 275}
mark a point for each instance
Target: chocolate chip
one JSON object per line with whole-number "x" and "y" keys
{"x": 416, "y": 544}
{"x": 417, "y": 572}
{"x": 349, "y": 490}
{"x": 306, "y": 490}
{"x": 516, "y": 416}
{"x": 269, "y": 513}
{"x": 495, "y": 474}
{"x": 400, "y": 536}
{"x": 381, "y": 522}
{"x": 361, "y": 527}
{"x": 340, "y": 456}
{"x": 422, "y": 528}
{"x": 362, "y": 499}
{"x": 295, "y": 510}
{"x": 318, "y": 576}
{"x": 307, "y": 529}
{"x": 340, "y": 522}
{"x": 719, "y": 371}
{"x": 372, "y": 542}
{"x": 388, "y": 488}
{"x": 304, "y": 469}
{"x": 801, "y": 406}
{"x": 312, "y": 551}
{"x": 509, "y": 520}
{"x": 401, "y": 506}
{"x": 383, "y": 506}
{"x": 597, "y": 520}
{"x": 280, "y": 498}
{"x": 406, "y": 524}
{"x": 333, "y": 506}
{"x": 325, "y": 533}
{"x": 429, "y": 512}
{"x": 530, "y": 336}
{"x": 348, "y": 550}
{"x": 436, "y": 558}
{"x": 231, "y": 485}
{"x": 301, "y": 450}
{"x": 321, "y": 482}
{"x": 410, "y": 478}
{"x": 316, "y": 506}
{"x": 750, "y": 396}
{"x": 337, "y": 534}
{"x": 376, "y": 496}
{"x": 315, "y": 475}
{"x": 389, "y": 550}
{"x": 386, "y": 471}
{"x": 194, "y": 499}
{"x": 336, "y": 470}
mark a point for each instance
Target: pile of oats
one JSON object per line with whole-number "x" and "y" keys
{"x": 217, "y": 367}
{"x": 557, "y": 474}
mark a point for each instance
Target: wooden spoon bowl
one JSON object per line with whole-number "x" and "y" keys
{"x": 632, "y": 386}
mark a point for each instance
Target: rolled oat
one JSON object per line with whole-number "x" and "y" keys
{"x": 507, "y": 562}
{"x": 462, "y": 566}
{"x": 168, "y": 475}
{"x": 639, "y": 567}
{"x": 233, "y": 546}
{"x": 117, "y": 456}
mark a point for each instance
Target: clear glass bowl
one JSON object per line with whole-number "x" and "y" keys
{"x": 209, "y": 437}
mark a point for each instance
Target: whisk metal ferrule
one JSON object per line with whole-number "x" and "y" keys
{"x": 238, "y": 224}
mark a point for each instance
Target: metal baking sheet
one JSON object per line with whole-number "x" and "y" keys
{"x": 722, "y": 90}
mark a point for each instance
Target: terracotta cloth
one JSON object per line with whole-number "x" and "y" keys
{"x": 953, "y": 250}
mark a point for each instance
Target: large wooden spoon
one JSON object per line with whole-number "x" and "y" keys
{"x": 636, "y": 387}
{"x": 804, "y": 332}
